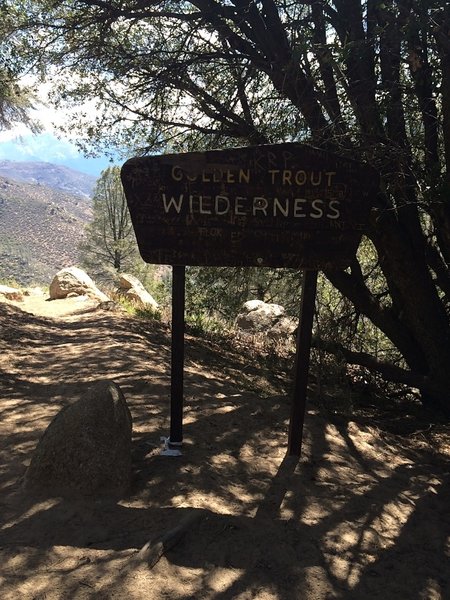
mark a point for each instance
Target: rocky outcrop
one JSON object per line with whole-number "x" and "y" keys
{"x": 130, "y": 287}
{"x": 72, "y": 281}
{"x": 86, "y": 449}
{"x": 261, "y": 317}
{"x": 11, "y": 293}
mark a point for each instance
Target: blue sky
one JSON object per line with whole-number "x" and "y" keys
{"x": 21, "y": 144}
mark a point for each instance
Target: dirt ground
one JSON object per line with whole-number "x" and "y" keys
{"x": 363, "y": 515}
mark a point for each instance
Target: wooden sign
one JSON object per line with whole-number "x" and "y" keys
{"x": 281, "y": 205}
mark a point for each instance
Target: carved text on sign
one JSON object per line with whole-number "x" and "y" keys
{"x": 279, "y": 205}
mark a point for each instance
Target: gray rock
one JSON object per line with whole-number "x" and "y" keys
{"x": 132, "y": 288}
{"x": 127, "y": 281}
{"x": 86, "y": 449}
{"x": 257, "y": 315}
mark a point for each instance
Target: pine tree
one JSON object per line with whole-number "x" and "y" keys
{"x": 110, "y": 244}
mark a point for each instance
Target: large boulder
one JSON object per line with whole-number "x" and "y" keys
{"x": 257, "y": 316}
{"x": 132, "y": 288}
{"x": 72, "y": 281}
{"x": 86, "y": 449}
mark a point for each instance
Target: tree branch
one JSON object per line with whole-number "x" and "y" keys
{"x": 387, "y": 370}
{"x": 352, "y": 286}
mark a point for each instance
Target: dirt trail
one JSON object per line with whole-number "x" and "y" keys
{"x": 364, "y": 514}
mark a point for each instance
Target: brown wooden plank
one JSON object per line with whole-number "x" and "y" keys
{"x": 282, "y": 205}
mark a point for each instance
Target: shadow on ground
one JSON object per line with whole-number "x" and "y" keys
{"x": 362, "y": 515}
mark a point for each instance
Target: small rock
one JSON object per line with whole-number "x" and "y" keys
{"x": 110, "y": 305}
{"x": 11, "y": 293}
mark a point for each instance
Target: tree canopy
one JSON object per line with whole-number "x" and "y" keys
{"x": 366, "y": 79}
{"x": 15, "y": 100}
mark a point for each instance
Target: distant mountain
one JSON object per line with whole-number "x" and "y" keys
{"x": 48, "y": 174}
{"x": 41, "y": 226}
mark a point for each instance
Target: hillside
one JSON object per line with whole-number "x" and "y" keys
{"x": 40, "y": 229}
{"x": 50, "y": 175}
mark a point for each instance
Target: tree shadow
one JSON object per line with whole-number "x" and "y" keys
{"x": 340, "y": 523}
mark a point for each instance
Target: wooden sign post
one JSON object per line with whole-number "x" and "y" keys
{"x": 280, "y": 205}
{"x": 301, "y": 368}
{"x": 177, "y": 362}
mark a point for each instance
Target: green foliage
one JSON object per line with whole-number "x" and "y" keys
{"x": 221, "y": 291}
{"x": 155, "y": 279}
{"x": 10, "y": 282}
{"x": 110, "y": 244}
{"x": 200, "y": 324}
{"x": 16, "y": 99}
{"x": 136, "y": 309}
